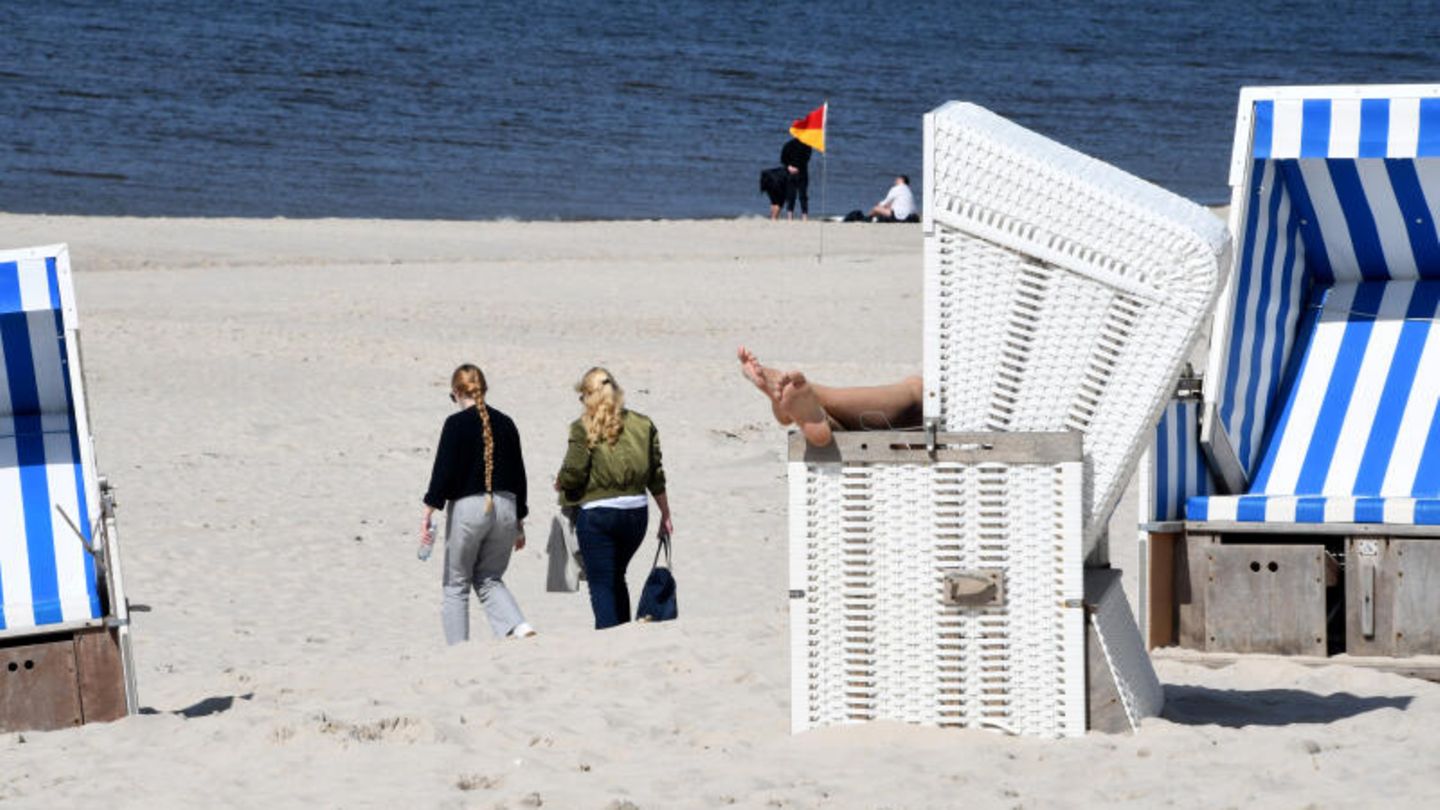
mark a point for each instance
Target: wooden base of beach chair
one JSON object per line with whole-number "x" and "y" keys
{"x": 61, "y": 680}
{"x": 1392, "y": 596}
{"x": 1237, "y": 595}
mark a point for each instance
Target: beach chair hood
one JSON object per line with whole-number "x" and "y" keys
{"x": 1324, "y": 374}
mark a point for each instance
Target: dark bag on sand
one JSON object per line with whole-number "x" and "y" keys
{"x": 657, "y": 599}
{"x": 856, "y": 216}
{"x": 772, "y": 181}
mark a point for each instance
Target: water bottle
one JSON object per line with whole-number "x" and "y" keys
{"x": 423, "y": 553}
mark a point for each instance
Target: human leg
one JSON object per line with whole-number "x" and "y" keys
{"x": 608, "y": 539}
{"x": 874, "y": 407}
{"x": 803, "y": 181}
{"x": 818, "y": 409}
{"x": 495, "y": 548}
{"x": 465, "y": 525}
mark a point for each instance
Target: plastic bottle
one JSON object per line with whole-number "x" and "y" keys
{"x": 423, "y": 553}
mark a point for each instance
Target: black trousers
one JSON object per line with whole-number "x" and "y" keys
{"x": 798, "y": 185}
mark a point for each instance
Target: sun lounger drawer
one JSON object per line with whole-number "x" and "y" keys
{"x": 38, "y": 688}
{"x": 63, "y": 680}
{"x": 1253, "y": 597}
{"x": 1392, "y": 596}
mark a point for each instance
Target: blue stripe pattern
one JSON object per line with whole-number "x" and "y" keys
{"x": 1374, "y": 127}
{"x": 1315, "y": 130}
{"x": 1344, "y": 374}
{"x": 1429, "y": 141}
{"x": 9, "y": 287}
{"x": 1264, "y": 133}
{"x": 52, "y": 277}
{"x": 1178, "y": 467}
{"x": 30, "y": 452}
{"x": 1362, "y": 214}
{"x": 32, "y": 341}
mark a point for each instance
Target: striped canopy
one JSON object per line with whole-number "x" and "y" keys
{"x": 48, "y": 488}
{"x": 1316, "y": 400}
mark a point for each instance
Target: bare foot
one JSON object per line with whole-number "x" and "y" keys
{"x": 798, "y": 401}
{"x": 766, "y": 379}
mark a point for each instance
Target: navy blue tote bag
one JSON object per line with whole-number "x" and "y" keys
{"x": 657, "y": 599}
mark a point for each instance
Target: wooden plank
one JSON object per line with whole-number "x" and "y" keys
{"x": 1265, "y": 598}
{"x": 38, "y": 688}
{"x": 1329, "y": 529}
{"x": 1160, "y": 602}
{"x": 1422, "y": 667}
{"x": 1104, "y": 709}
{"x": 101, "y": 675}
{"x": 909, "y": 447}
{"x": 1416, "y": 595}
{"x": 1192, "y": 570}
{"x": 1365, "y": 558}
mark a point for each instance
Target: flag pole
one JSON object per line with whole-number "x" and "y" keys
{"x": 824, "y": 185}
{"x": 824, "y": 182}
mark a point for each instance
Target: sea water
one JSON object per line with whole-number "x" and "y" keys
{"x": 640, "y": 109}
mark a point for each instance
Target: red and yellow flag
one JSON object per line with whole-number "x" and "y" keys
{"x": 810, "y": 130}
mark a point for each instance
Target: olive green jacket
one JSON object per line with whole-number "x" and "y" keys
{"x": 628, "y": 467}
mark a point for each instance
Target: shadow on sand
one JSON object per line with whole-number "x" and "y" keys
{"x": 1235, "y": 708}
{"x": 206, "y": 707}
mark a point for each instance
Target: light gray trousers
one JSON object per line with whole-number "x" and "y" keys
{"x": 477, "y": 552}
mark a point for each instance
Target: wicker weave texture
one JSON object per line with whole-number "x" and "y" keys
{"x": 993, "y": 178}
{"x": 871, "y": 637}
{"x": 1060, "y": 293}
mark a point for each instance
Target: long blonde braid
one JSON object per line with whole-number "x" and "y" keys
{"x": 469, "y": 381}
{"x": 604, "y": 399}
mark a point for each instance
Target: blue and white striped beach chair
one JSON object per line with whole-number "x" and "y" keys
{"x": 1319, "y": 417}
{"x": 59, "y": 566}
{"x": 1325, "y": 375}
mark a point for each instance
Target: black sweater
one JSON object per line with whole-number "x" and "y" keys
{"x": 794, "y": 153}
{"x": 460, "y": 460}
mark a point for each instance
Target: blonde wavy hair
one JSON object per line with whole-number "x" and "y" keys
{"x": 468, "y": 381}
{"x": 604, "y": 399}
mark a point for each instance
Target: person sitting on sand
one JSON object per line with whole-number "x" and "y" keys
{"x": 480, "y": 473}
{"x": 818, "y": 410}
{"x": 898, "y": 205}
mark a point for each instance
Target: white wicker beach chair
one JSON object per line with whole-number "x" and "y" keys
{"x": 940, "y": 578}
{"x": 64, "y": 635}
{"x": 1061, "y": 294}
{"x": 1320, "y": 418}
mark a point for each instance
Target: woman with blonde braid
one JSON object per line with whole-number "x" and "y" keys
{"x": 612, "y": 460}
{"x": 479, "y": 471}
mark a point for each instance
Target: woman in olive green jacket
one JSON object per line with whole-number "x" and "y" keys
{"x": 612, "y": 460}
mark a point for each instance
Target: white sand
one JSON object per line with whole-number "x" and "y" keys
{"x": 266, "y": 396}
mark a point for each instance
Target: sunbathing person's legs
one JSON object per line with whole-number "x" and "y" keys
{"x": 818, "y": 409}
{"x": 874, "y": 407}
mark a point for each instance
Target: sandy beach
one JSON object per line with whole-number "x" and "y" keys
{"x": 266, "y": 397}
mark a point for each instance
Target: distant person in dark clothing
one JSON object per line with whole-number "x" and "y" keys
{"x": 774, "y": 183}
{"x": 796, "y": 157}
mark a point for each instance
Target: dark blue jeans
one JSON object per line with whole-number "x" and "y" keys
{"x": 608, "y": 539}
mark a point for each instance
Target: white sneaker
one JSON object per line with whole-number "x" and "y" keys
{"x": 522, "y": 630}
